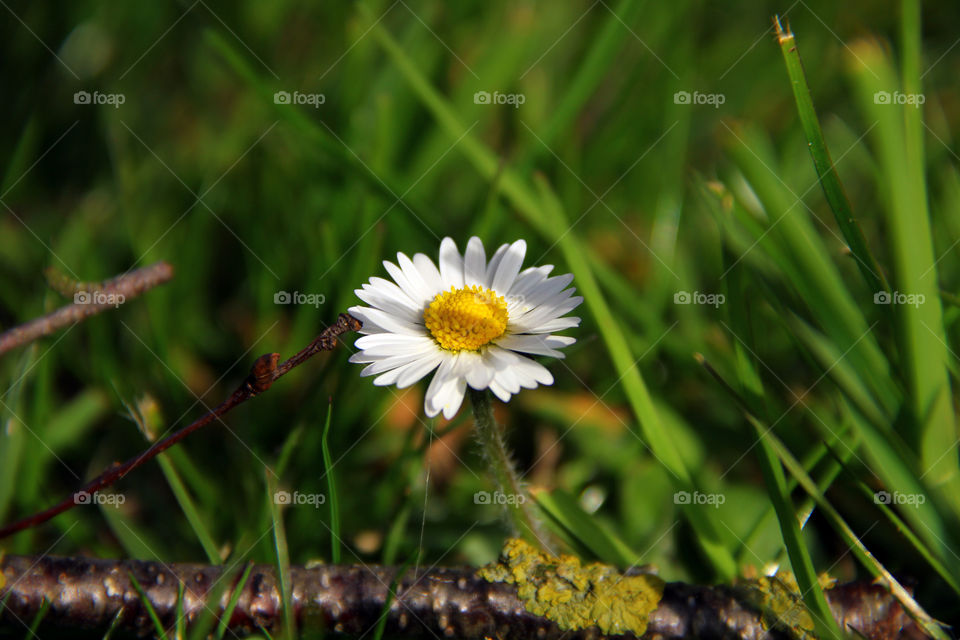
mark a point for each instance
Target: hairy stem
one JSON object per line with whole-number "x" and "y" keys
{"x": 515, "y": 499}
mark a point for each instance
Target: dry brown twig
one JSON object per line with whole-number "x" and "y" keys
{"x": 265, "y": 372}
{"x": 110, "y": 295}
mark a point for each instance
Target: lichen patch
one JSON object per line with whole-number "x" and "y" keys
{"x": 577, "y": 596}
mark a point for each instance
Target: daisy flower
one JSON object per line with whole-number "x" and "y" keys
{"x": 470, "y": 319}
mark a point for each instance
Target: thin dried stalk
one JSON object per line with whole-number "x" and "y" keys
{"x": 110, "y": 295}
{"x": 264, "y": 373}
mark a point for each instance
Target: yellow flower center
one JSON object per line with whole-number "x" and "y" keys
{"x": 466, "y": 318}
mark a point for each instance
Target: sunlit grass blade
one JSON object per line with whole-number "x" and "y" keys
{"x": 180, "y": 625}
{"x": 113, "y": 624}
{"x": 328, "y": 471}
{"x": 135, "y": 540}
{"x": 904, "y": 529}
{"x": 189, "y": 509}
{"x": 37, "y": 619}
{"x": 151, "y": 612}
{"x": 148, "y": 423}
{"x": 282, "y": 556}
{"x": 232, "y": 603}
{"x": 800, "y": 252}
{"x": 800, "y": 561}
{"x": 388, "y": 602}
{"x": 594, "y": 64}
{"x": 829, "y": 180}
{"x": 869, "y": 562}
{"x": 660, "y": 443}
{"x": 923, "y": 347}
{"x": 605, "y": 545}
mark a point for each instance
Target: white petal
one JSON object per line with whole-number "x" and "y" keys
{"x": 419, "y": 369}
{"x": 530, "y": 322}
{"x": 429, "y": 273}
{"x": 492, "y": 265}
{"x": 510, "y": 266}
{"x": 391, "y": 377}
{"x": 533, "y": 370}
{"x": 501, "y": 361}
{"x": 512, "y": 367}
{"x": 440, "y": 378}
{"x": 388, "y": 288}
{"x": 376, "y": 321}
{"x": 386, "y": 349}
{"x": 382, "y": 365}
{"x": 451, "y": 265}
{"x": 391, "y": 305}
{"x": 476, "y": 372}
{"x": 530, "y": 277}
{"x": 557, "y": 324}
{"x": 453, "y": 399}
{"x": 413, "y": 288}
{"x": 536, "y": 344}
{"x": 474, "y": 263}
{"x": 399, "y": 340}
{"x": 549, "y": 290}
{"x": 499, "y": 391}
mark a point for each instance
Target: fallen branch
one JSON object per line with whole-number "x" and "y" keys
{"x": 111, "y": 294}
{"x": 444, "y": 602}
{"x": 264, "y": 373}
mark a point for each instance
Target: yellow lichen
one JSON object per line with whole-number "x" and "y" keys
{"x": 574, "y": 596}
{"x": 780, "y": 603}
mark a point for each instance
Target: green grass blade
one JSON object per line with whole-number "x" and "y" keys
{"x": 189, "y": 509}
{"x": 151, "y": 612}
{"x": 800, "y": 560}
{"x": 113, "y": 624}
{"x": 923, "y": 345}
{"x": 181, "y": 621}
{"x": 332, "y": 490}
{"x": 605, "y": 545}
{"x": 603, "y": 53}
{"x": 856, "y": 546}
{"x": 829, "y": 179}
{"x": 232, "y": 604}
{"x": 914, "y": 540}
{"x": 659, "y": 441}
{"x": 282, "y": 556}
{"x": 37, "y": 619}
{"x": 388, "y": 602}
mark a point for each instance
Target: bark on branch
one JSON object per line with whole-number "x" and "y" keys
{"x": 348, "y": 600}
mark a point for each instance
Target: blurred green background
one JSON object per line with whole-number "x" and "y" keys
{"x": 200, "y": 166}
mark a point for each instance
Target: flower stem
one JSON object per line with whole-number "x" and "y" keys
{"x": 517, "y": 502}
